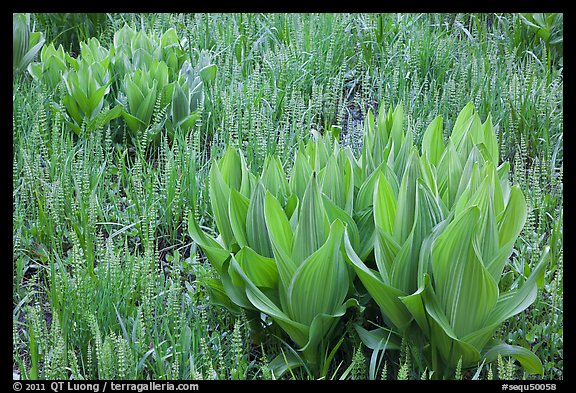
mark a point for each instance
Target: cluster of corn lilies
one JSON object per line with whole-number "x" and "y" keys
{"x": 426, "y": 233}
{"x": 138, "y": 75}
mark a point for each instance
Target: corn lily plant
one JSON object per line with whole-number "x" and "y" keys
{"x": 143, "y": 88}
{"x": 273, "y": 250}
{"x": 442, "y": 242}
{"x": 86, "y": 88}
{"x": 51, "y": 66}
{"x": 25, "y": 43}
{"x": 137, "y": 49}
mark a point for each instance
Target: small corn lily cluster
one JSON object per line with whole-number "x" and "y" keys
{"x": 139, "y": 75}
{"x": 426, "y": 233}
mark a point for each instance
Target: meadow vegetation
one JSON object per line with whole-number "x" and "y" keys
{"x": 182, "y": 183}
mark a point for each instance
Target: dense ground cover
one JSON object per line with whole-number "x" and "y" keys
{"x": 107, "y": 281}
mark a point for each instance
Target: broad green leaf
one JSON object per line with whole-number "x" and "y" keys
{"x": 510, "y": 225}
{"x": 301, "y": 174}
{"x": 260, "y": 270}
{"x": 365, "y": 197}
{"x": 208, "y": 73}
{"x": 180, "y": 107}
{"x": 219, "y": 193}
{"x": 396, "y": 133}
{"x": 366, "y": 231}
{"x": 490, "y": 140}
{"x": 466, "y": 290}
{"x": 274, "y": 179}
{"x": 401, "y": 159}
{"x": 215, "y": 252}
{"x": 384, "y": 204}
{"x": 321, "y": 329}
{"x": 335, "y": 213}
{"x": 463, "y": 123}
{"x": 218, "y": 295}
{"x": 332, "y": 183}
{"x": 281, "y": 238}
{"x": 231, "y": 168}
{"x": 447, "y": 348}
{"x": 406, "y": 205}
{"x": 516, "y": 301}
{"x": 284, "y": 362}
{"x": 514, "y": 217}
{"x": 428, "y": 214}
{"x": 378, "y": 338}
{"x": 312, "y": 230}
{"x": 256, "y": 229}
{"x": 387, "y": 297}
{"x": 245, "y": 184}
{"x": 449, "y": 175}
{"x": 297, "y": 331}
{"x": 433, "y": 142}
{"x": 326, "y": 265}
{"x": 238, "y": 210}
{"x": 527, "y": 359}
{"x": 385, "y": 251}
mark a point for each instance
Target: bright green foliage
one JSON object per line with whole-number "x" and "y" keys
{"x": 51, "y": 66}
{"x": 141, "y": 92}
{"x": 25, "y": 43}
{"x": 103, "y": 285}
{"x": 273, "y": 250}
{"x": 86, "y": 85}
{"x": 442, "y": 244}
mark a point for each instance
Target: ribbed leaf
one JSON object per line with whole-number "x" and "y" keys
{"x": 396, "y": 128}
{"x": 401, "y": 159}
{"x": 385, "y": 251}
{"x": 466, "y": 290}
{"x": 387, "y": 297}
{"x": 366, "y": 231}
{"x": 260, "y": 270}
{"x": 219, "y": 193}
{"x": 180, "y": 107}
{"x": 256, "y": 229}
{"x": 365, "y": 196}
{"x": 516, "y": 301}
{"x": 527, "y": 359}
{"x": 326, "y": 265}
{"x": 447, "y": 348}
{"x": 281, "y": 238}
{"x": 463, "y": 123}
{"x": 312, "y": 230}
{"x": 215, "y": 252}
{"x": 378, "y": 338}
{"x": 490, "y": 140}
{"x": 433, "y": 142}
{"x": 238, "y": 210}
{"x": 510, "y": 225}
{"x": 297, "y": 331}
{"x": 449, "y": 175}
{"x": 332, "y": 183}
{"x": 274, "y": 179}
{"x": 301, "y": 174}
{"x": 231, "y": 168}
{"x": 406, "y": 206}
{"x": 335, "y": 213}
{"x": 384, "y": 204}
